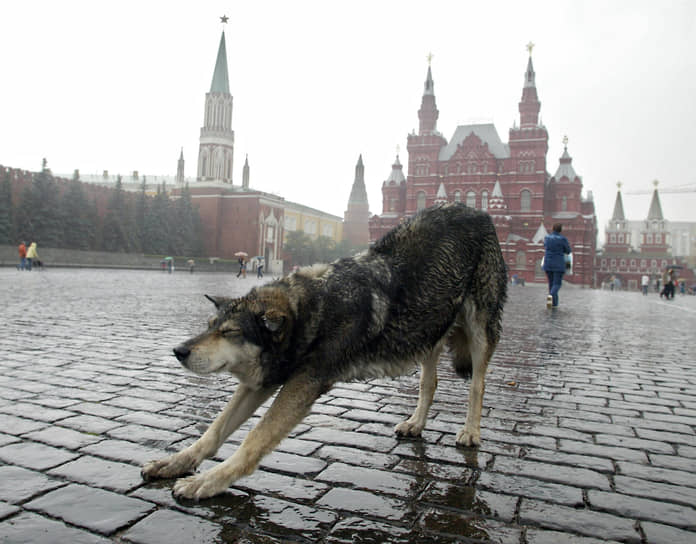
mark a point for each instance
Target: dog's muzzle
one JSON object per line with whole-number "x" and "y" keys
{"x": 181, "y": 353}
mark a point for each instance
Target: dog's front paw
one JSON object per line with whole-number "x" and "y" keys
{"x": 199, "y": 486}
{"x": 408, "y": 428}
{"x": 468, "y": 438}
{"x": 169, "y": 467}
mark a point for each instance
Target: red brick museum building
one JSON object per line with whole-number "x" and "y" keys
{"x": 508, "y": 180}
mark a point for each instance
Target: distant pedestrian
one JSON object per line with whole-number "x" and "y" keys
{"x": 32, "y": 255}
{"x": 668, "y": 280}
{"x": 259, "y": 269}
{"x": 241, "y": 266}
{"x": 191, "y": 264}
{"x": 22, "y": 256}
{"x": 682, "y": 288}
{"x": 644, "y": 283}
{"x": 556, "y": 247}
{"x": 612, "y": 283}
{"x": 244, "y": 268}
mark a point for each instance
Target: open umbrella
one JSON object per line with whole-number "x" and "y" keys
{"x": 241, "y": 254}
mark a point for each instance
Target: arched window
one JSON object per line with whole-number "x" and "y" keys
{"x": 621, "y": 238}
{"x": 457, "y": 196}
{"x": 612, "y": 238}
{"x": 521, "y": 259}
{"x": 484, "y": 200}
{"x": 525, "y": 200}
{"x": 471, "y": 199}
{"x": 564, "y": 204}
{"x": 420, "y": 201}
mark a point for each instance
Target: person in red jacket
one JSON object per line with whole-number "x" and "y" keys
{"x": 22, "y": 256}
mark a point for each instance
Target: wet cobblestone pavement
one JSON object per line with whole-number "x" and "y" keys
{"x": 589, "y": 427}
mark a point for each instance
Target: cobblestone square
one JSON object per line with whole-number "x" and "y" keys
{"x": 589, "y": 426}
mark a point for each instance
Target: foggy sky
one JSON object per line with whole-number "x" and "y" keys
{"x": 121, "y": 87}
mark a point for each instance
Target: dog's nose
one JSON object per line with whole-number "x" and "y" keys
{"x": 181, "y": 352}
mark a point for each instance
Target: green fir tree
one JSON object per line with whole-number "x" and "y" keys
{"x": 6, "y": 211}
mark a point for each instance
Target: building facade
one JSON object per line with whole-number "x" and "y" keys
{"x": 508, "y": 180}
{"x": 633, "y": 249}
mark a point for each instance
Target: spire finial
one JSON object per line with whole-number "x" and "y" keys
{"x": 530, "y": 46}
{"x": 619, "y": 184}
{"x": 565, "y": 141}
{"x": 430, "y": 58}
{"x": 398, "y": 148}
{"x": 656, "y": 183}
{"x": 224, "y": 19}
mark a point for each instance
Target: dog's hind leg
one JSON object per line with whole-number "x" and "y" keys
{"x": 288, "y": 409}
{"x": 480, "y": 352}
{"x": 240, "y": 407}
{"x": 414, "y": 425}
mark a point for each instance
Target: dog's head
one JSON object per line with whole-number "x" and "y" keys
{"x": 243, "y": 332}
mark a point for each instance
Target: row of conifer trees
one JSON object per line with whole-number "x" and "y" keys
{"x": 60, "y": 214}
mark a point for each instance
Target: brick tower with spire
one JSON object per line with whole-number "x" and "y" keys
{"x": 355, "y": 218}
{"x": 617, "y": 235}
{"x": 654, "y": 236}
{"x": 216, "y": 148}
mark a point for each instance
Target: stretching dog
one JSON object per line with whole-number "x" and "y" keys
{"x": 438, "y": 279}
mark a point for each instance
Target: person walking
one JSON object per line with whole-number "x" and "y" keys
{"x": 668, "y": 289}
{"x": 644, "y": 283}
{"x": 22, "y": 256}
{"x": 31, "y": 255}
{"x": 259, "y": 269}
{"x": 556, "y": 247}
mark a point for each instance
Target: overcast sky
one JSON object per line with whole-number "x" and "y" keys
{"x": 120, "y": 86}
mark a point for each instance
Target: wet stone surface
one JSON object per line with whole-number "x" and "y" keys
{"x": 588, "y": 428}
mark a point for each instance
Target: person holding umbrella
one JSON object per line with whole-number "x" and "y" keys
{"x": 242, "y": 263}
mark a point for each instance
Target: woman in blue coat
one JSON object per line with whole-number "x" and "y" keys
{"x": 556, "y": 247}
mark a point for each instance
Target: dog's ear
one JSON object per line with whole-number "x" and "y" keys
{"x": 218, "y": 301}
{"x": 273, "y": 320}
